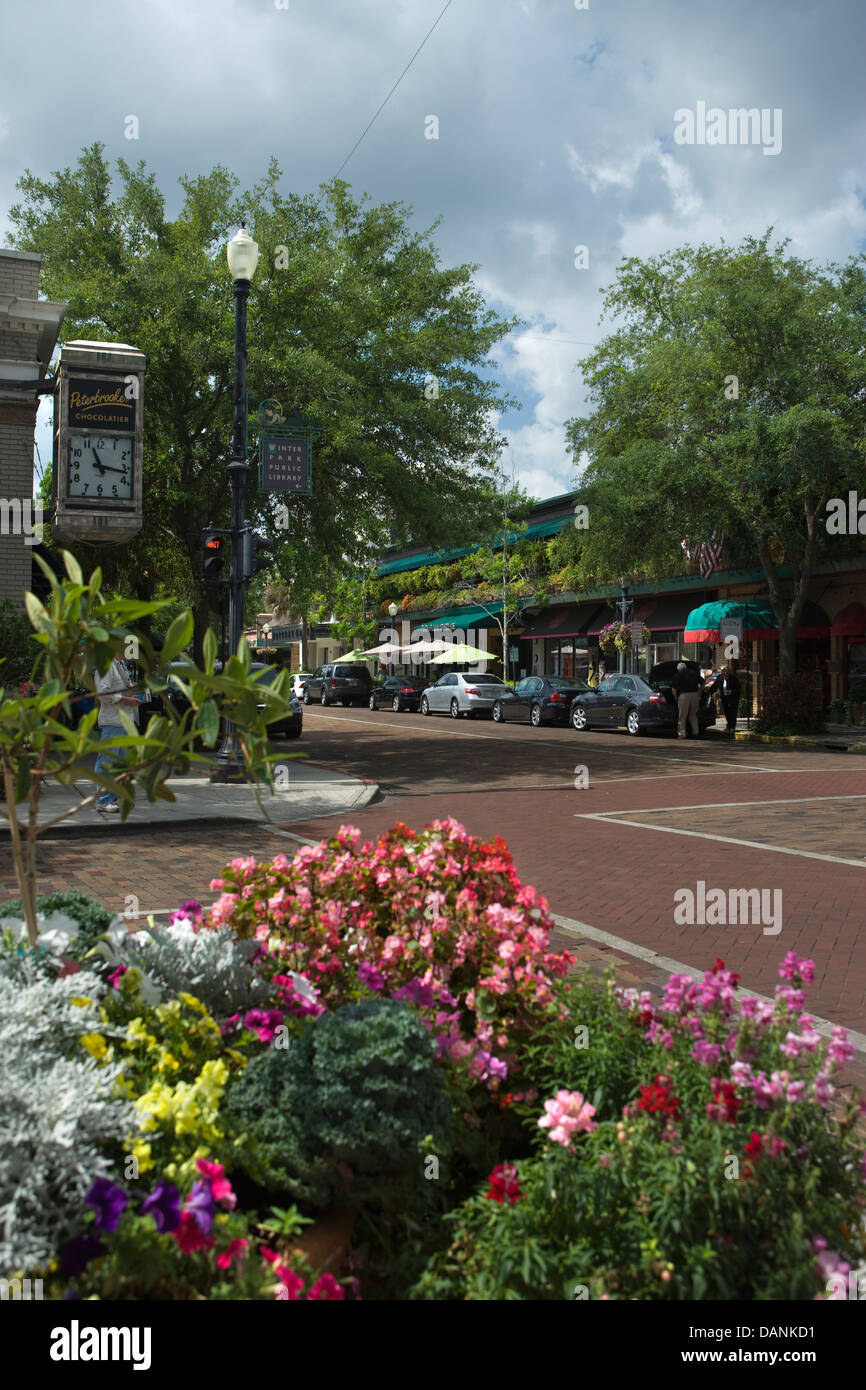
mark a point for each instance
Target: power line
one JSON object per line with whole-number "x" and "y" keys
{"x": 392, "y": 91}
{"x": 577, "y": 342}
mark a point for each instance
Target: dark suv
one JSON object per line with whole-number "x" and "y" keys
{"x": 339, "y": 683}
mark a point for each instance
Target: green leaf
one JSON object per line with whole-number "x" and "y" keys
{"x": 208, "y": 722}
{"x": 178, "y": 636}
{"x": 209, "y": 650}
{"x": 35, "y": 611}
{"x": 73, "y": 569}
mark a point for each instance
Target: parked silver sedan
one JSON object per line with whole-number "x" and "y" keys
{"x": 460, "y": 693}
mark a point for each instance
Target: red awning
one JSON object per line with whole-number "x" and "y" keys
{"x": 850, "y": 622}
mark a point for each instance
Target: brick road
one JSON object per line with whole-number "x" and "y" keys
{"x": 615, "y": 873}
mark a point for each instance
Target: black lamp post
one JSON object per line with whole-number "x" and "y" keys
{"x": 623, "y": 606}
{"x": 243, "y": 257}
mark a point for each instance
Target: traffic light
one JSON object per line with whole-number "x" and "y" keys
{"x": 258, "y": 554}
{"x": 213, "y": 558}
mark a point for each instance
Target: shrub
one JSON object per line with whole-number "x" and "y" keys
{"x": 212, "y": 965}
{"x": 730, "y": 1173}
{"x": 790, "y": 707}
{"x": 438, "y": 915}
{"x": 91, "y": 918}
{"x": 58, "y": 1115}
{"x": 18, "y": 651}
{"x": 343, "y": 1107}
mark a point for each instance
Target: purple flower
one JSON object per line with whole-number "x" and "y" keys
{"x": 77, "y": 1253}
{"x": 163, "y": 1205}
{"x": 201, "y": 1205}
{"x": 264, "y": 1022}
{"x": 416, "y": 992}
{"x": 190, "y": 909}
{"x": 370, "y": 976}
{"x": 108, "y": 1202}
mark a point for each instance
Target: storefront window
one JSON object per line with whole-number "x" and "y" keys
{"x": 564, "y": 657}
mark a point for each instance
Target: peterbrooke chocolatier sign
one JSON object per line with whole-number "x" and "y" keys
{"x": 100, "y": 404}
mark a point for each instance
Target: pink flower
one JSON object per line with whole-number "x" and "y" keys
{"x": 219, "y": 1183}
{"x": 235, "y": 1250}
{"x": 326, "y": 1288}
{"x": 567, "y": 1114}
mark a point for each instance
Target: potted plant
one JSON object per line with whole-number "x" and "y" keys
{"x": 617, "y": 636}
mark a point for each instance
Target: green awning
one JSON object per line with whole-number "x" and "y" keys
{"x": 758, "y": 619}
{"x": 536, "y": 530}
{"x": 459, "y": 619}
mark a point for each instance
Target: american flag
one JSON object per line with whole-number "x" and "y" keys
{"x": 708, "y": 554}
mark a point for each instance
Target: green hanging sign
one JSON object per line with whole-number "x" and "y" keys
{"x": 285, "y": 450}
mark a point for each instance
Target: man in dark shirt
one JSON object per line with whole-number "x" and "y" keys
{"x": 686, "y": 685}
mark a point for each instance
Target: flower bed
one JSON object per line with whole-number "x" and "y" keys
{"x": 380, "y": 1029}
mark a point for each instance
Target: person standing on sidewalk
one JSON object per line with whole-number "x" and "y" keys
{"x": 686, "y": 686}
{"x": 730, "y": 692}
{"x": 112, "y": 691}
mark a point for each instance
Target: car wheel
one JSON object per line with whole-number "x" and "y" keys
{"x": 425, "y": 708}
{"x": 578, "y": 718}
{"x": 497, "y": 713}
{"x": 372, "y": 702}
{"x": 307, "y": 699}
{"x": 455, "y": 710}
{"x": 395, "y": 704}
{"x": 535, "y": 716}
{"x": 632, "y": 722}
{"x": 293, "y": 733}
{"x": 324, "y": 699}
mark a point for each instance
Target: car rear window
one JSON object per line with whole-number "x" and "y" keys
{"x": 483, "y": 680}
{"x": 562, "y": 683}
{"x": 351, "y": 672}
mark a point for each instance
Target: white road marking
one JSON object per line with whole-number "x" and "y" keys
{"x": 622, "y": 818}
{"x": 728, "y": 805}
{"x": 676, "y": 967}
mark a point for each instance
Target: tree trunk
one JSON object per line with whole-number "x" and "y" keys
{"x": 787, "y": 649}
{"x": 23, "y": 859}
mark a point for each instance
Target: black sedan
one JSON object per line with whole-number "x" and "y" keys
{"x": 540, "y": 699}
{"x": 636, "y": 703}
{"x": 398, "y": 693}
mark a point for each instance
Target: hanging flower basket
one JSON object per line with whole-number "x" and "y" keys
{"x": 616, "y": 636}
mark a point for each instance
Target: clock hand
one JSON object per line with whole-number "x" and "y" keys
{"x": 106, "y": 468}
{"x": 96, "y": 461}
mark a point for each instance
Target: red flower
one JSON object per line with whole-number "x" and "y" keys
{"x": 190, "y": 1236}
{"x": 659, "y": 1099}
{"x": 755, "y": 1147}
{"x": 725, "y": 1099}
{"x": 504, "y": 1184}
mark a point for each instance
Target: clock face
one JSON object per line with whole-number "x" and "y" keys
{"x": 100, "y": 467}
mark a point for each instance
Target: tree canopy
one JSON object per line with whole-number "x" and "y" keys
{"x": 353, "y": 321}
{"x": 731, "y": 396}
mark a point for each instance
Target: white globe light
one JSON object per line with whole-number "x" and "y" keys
{"x": 243, "y": 255}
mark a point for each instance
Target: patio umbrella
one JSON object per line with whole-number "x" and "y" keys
{"x": 425, "y": 648}
{"x": 388, "y": 650}
{"x": 351, "y": 656}
{"x": 462, "y": 653}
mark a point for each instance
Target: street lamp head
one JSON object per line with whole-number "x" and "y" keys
{"x": 243, "y": 255}
{"x": 392, "y": 610}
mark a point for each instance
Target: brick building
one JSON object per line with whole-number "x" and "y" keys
{"x": 28, "y": 333}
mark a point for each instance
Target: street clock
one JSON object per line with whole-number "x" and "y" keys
{"x": 98, "y": 401}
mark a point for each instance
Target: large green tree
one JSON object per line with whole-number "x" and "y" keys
{"x": 731, "y": 396}
{"x": 353, "y": 321}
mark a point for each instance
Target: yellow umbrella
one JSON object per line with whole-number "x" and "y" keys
{"x": 461, "y": 653}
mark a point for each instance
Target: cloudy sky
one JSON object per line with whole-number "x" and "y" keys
{"x": 555, "y": 130}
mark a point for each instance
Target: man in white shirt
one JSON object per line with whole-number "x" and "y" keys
{"x": 111, "y": 692}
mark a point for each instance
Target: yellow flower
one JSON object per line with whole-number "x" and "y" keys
{"x": 212, "y": 1080}
{"x": 81, "y": 1001}
{"x": 192, "y": 1003}
{"x": 167, "y": 1063}
{"x": 95, "y": 1044}
{"x": 141, "y": 1152}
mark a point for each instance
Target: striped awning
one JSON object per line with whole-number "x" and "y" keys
{"x": 758, "y": 619}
